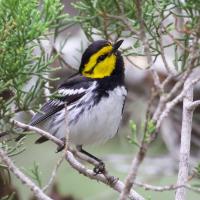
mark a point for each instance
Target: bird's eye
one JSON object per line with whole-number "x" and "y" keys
{"x": 102, "y": 57}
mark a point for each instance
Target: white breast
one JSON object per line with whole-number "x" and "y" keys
{"x": 98, "y": 123}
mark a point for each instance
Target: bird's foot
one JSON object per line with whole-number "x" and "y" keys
{"x": 112, "y": 180}
{"x": 99, "y": 168}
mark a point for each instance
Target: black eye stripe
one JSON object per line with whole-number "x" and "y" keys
{"x": 102, "y": 57}
{"x": 99, "y": 59}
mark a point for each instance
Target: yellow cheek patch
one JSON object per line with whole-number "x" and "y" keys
{"x": 93, "y": 59}
{"x": 103, "y": 68}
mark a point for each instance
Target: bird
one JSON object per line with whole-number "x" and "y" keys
{"x": 93, "y": 99}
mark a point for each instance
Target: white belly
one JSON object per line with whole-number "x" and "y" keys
{"x": 98, "y": 123}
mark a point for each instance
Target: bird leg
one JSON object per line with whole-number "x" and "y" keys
{"x": 100, "y": 167}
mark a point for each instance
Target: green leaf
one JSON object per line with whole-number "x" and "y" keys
{"x": 151, "y": 128}
{"x": 35, "y": 173}
{"x": 133, "y": 138}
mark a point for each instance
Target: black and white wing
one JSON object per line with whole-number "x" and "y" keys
{"x": 69, "y": 92}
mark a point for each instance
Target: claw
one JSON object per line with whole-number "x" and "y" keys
{"x": 112, "y": 180}
{"x": 100, "y": 168}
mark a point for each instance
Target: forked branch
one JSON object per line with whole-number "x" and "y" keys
{"x": 107, "y": 179}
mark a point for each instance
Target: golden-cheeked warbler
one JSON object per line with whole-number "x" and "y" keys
{"x": 94, "y": 97}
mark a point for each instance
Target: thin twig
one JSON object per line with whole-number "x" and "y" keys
{"x": 195, "y": 104}
{"x": 166, "y": 187}
{"x": 53, "y": 174}
{"x": 60, "y": 160}
{"x": 125, "y": 22}
{"x": 116, "y": 184}
{"x": 129, "y": 181}
{"x": 38, "y": 130}
{"x": 162, "y": 50}
{"x": 178, "y": 43}
{"x": 158, "y": 188}
{"x": 185, "y": 140}
{"x": 22, "y": 177}
{"x": 172, "y": 103}
{"x": 163, "y": 101}
{"x": 66, "y": 131}
{"x": 146, "y": 45}
{"x": 131, "y": 62}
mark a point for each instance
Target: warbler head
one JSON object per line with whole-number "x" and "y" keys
{"x": 102, "y": 59}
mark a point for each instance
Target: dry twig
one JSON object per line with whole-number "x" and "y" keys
{"x": 129, "y": 181}
{"x": 172, "y": 103}
{"x": 22, "y": 177}
{"x": 53, "y": 175}
{"x": 185, "y": 139}
{"x": 166, "y": 187}
{"x": 106, "y": 179}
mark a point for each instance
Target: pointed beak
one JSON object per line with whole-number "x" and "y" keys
{"x": 117, "y": 45}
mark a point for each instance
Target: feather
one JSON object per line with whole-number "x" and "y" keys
{"x": 70, "y": 92}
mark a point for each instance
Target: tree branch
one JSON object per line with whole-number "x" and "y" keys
{"x": 172, "y": 103}
{"x": 143, "y": 148}
{"x": 194, "y": 104}
{"x": 104, "y": 178}
{"x": 185, "y": 140}
{"x": 166, "y": 187}
{"x": 22, "y": 177}
{"x": 60, "y": 160}
{"x": 158, "y": 188}
{"x": 129, "y": 181}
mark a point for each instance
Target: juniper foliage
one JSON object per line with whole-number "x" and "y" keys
{"x": 22, "y": 24}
